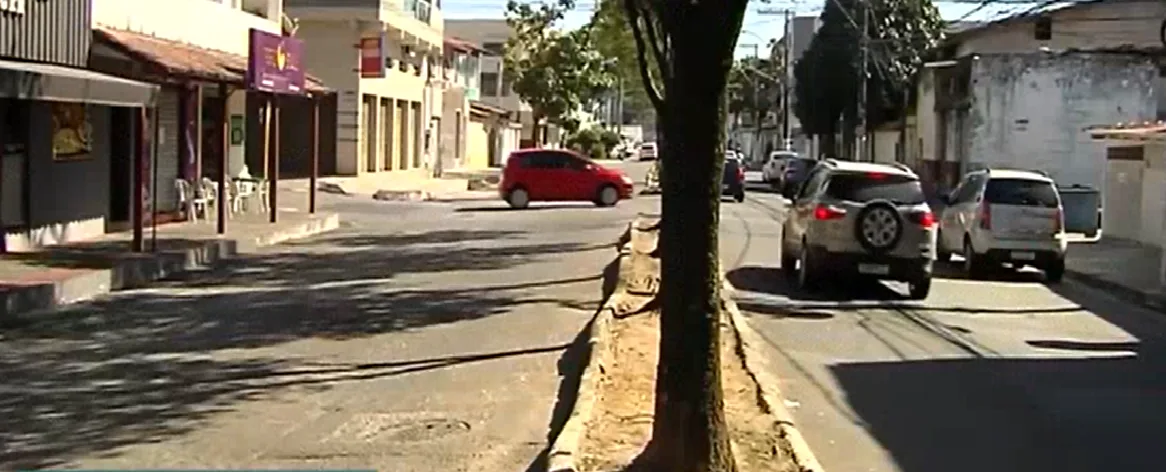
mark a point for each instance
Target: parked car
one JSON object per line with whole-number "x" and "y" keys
{"x": 733, "y": 179}
{"x": 771, "y": 170}
{"x": 998, "y": 216}
{"x": 648, "y": 151}
{"x": 546, "y": 175}
{"x": 860, "y": 219}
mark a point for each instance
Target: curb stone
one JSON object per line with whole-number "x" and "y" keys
{"x": 749, "y": 341}
{"x": 563, "y": 453}
{"x": 1153, "y": 301}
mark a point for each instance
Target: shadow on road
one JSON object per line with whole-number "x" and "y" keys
{"x": 142, "y": 366}
{"x": 1099, "y": 407}
{"x": 502, "y": 207}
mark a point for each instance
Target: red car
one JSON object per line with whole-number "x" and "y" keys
{"x": 557, "y": 175}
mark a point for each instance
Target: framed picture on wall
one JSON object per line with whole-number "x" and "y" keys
{"x": 72, "y": 132}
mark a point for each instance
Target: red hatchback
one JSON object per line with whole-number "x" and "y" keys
{"x": 555, "y": 175}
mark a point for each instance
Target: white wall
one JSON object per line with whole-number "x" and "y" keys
{"x": 1030, "y": 110}
{"x": 204, "y": 23}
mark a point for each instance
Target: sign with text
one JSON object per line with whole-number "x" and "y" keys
{"x": 372, "y": 57}
{"x": 275, "y": 63}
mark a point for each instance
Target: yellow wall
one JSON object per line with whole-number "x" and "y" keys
{"x": 477, "y": 145}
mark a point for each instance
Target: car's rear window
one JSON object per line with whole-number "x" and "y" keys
{"x": 1024, "y": 192}
{"x": 866, "y": 187}
{"x": 799, "y": 165}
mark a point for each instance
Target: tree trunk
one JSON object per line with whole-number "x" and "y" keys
{"x": 689, "y": 432}
{"x": 536, "y": 130}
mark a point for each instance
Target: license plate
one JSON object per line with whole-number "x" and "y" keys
{"x": 724, "y": 187}
{"x": 874, "y": 269}
{"x": 1023, "y": 255}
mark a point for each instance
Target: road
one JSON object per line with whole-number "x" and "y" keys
{"x": 418, "y": 337}
{"x": 1001, "y": 375}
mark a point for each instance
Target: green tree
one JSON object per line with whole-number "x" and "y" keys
{"x": 555, "y": 72}
{"x": 755, "y": 88}
{"x": 827, "y": 76}
{"x": 692, "y": 44}
{"x": 613, "y": 40}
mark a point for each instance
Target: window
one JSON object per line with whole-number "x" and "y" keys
{"x": 496, "y": 49}
{"x": 812, "y": 184}
{"x": 505, "y": 89}
{"x": 1024, "y": 192}
{"x": 546, "y": 160}
{"x": 489, "y": 84}
{"x": 967, "y": 191}
{"x": 1043, "y": 29}
{"x": 861, "y": 187}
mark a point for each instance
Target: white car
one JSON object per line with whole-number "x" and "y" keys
{"x": 775, "y": 165}
{"x": 648, "y": 151}
{"x": 998, "y": 216}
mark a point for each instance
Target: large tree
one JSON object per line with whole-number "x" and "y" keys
{"x": 555, "y": 72}
{"x": 692, "y": 43}
{"x": 827, "y": 77}
{"x": 613, "y": 39}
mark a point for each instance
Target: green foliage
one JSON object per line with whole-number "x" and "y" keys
{"x": 554, "y": 71}
{"x": 612, "y": 38}
{"x": 583, "y": 140}
{"x": 610, "y": 139}
{"x": 594, "y": 142}
{"x": 753, "y": 86}
{"x": 827, "y": 83}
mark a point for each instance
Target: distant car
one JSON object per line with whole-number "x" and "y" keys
{"x": 648, "y": 151}
{"x": 793, "y": 173}
{"x": 998, "y": 216}
{"x": 556, "y": 175}
{"x": 733, "y": 180}
{"x": 771, "y": 170}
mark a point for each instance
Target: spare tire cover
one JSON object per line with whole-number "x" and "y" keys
{"x": 878, "y": 226}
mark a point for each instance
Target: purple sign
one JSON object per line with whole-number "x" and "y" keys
{"x": 275, "y": 63}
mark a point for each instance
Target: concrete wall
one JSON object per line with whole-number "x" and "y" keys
{"x": 1029, "y": 110}
{"x": 454, "y": 120}
{"x": 58, "y": 32}
{"x": 885, "y": 144}
{"x": 176, "y": 20}
{"x": 1139, "y": 188}
{"x": 1091, "y": 26}
{"x": 477, "y": 144}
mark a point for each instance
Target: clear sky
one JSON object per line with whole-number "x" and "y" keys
{"x": 759, "y": 28}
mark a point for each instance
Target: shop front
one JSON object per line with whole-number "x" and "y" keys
{"x": 69, "y": 137}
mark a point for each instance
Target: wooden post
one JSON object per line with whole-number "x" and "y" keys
{"x": 224, "y": 146}
{"x": 315, "y": 155}
{"x": 139, "y": 181}
{"x": 273, "y": 179}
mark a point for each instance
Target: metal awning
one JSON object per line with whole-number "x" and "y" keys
{"x": 33, "y": 81}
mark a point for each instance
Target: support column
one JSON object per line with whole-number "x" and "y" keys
{"x": 221, "y": 202}
{"x": 273, "y": 179}
{"x": 139, "y": 182}
{"x": 316, "y": 155}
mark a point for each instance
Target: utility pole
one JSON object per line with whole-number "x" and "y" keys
{"x": 864, "y": 50}
{"x": 787, "y": 62}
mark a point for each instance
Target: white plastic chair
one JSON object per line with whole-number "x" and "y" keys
{"x": 194, "y": 204}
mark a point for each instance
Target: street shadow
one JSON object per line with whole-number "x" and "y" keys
{"x": 1094, "y": 405}
{"x": 954, "y": 270}
{"x": 534, "y": 207}
{"x": 772, "y": 281}
{"x": 97, "y": 254}
{"x": 570, "y": 368}
{"x": 142, "y": 366}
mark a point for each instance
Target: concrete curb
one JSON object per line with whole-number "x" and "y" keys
{"x": 749, "y": 341}
{"x": 563, "y": 452}
{"x": 85, "y": 284}
{"x": 1153, "y": 301}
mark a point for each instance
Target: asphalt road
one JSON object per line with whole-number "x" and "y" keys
{"x": 418, "y": 337}
{"x": 1001, "y": 375}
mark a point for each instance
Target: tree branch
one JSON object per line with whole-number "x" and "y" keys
{"x": 649, "y": 87}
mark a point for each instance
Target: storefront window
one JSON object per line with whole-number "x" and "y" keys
{"x": 72, "y": 132}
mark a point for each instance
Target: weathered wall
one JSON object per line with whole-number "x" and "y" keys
{"x": 1100, "y": 25}
{"x": 1029, "y": 110}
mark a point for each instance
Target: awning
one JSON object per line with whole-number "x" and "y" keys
{"x": 186, "y": 60}
{"x": 33, "y": 81}
{"x": 487, "y": 109}
{"x": 1145, "y": 131}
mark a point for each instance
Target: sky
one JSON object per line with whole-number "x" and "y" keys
{"x": 759, "y": 28}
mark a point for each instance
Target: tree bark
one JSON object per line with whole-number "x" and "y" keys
{"x": 689, "y": 432}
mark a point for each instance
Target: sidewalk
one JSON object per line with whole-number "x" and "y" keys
{"x": 407, "y": 185}
{"x": 59, "y": 275}
{"x": 1125, "y": 268}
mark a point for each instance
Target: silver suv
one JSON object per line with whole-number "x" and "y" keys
{"x": 860, "y": 218}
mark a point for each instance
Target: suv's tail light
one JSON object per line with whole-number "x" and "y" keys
{"x": 985, "y": 216}
{"x": 823, "y": 212}
{"x": 924, "y": 219}
{"x": 1058, "y": 221}
{"x": 740, "y": 174}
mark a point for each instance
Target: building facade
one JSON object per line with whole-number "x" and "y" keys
{"x": 67, "y": 135}
{"x": 461, "y": 75}
{"x": 388, "y": 119}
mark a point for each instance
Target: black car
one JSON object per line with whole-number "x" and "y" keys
{"x": 733, "y": 180}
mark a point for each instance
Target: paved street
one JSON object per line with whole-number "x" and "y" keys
{"x": 1003, "y": 375}
{"x": 419, "y": 337}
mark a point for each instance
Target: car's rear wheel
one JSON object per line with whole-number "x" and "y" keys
{"x": 941, "y": 253}
{"x": 807, "y": 270}
{"x": 607, "y": 196}
{"x": 789, "y": 264}
{"x": 518, "y": 198}
{"x": 919, "y": 289}
{"x": 739, "y": 197}
{"x": 1055, "y": 271}
{"x": 973, "y": 265}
